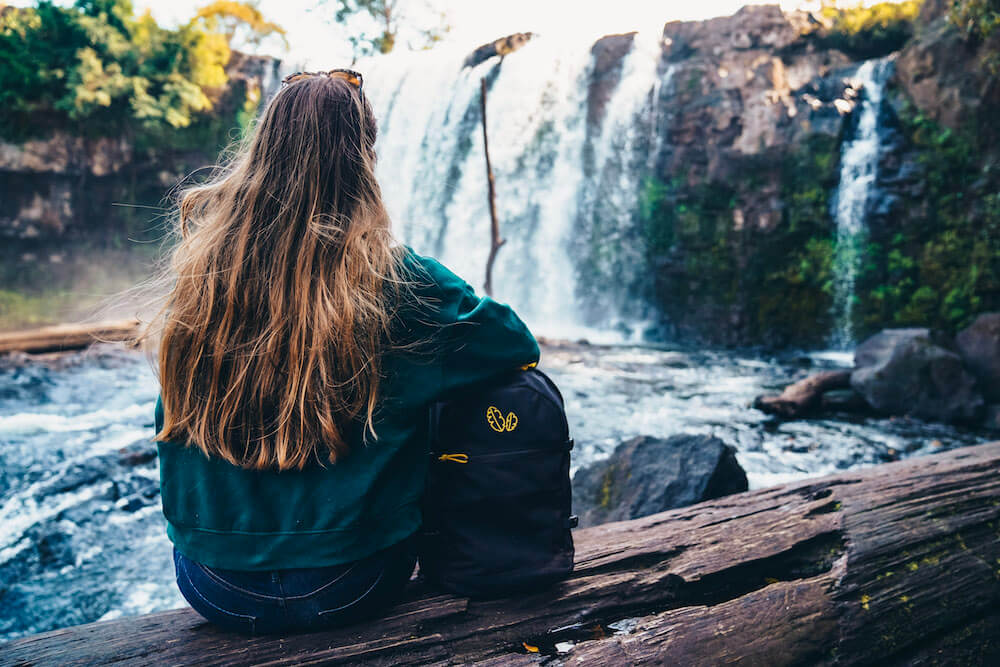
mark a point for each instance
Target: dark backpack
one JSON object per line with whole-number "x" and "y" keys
{"x": 497, "y": 506}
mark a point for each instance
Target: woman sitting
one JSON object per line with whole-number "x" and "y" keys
{"x": 299, "y": 349}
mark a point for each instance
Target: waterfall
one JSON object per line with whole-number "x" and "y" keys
{"x": 432, "y": 172}
{"x": 623, "y": 152}
{"x": 858, "y": 172}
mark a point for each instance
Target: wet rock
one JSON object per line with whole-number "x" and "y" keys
{"x": 132, "y": 504}
{"x": 646, "y": 475}
{"x": 608, "y": 55}
{"x": 843, "y": 400}
{"x": 54, "y": 546}
{"x": 138, "y": 453}
{"x": 907, "y": 372}
{"x": 979, "y": 346}
{"x": 82, "y": 474}
{"x": 992, "y": 420}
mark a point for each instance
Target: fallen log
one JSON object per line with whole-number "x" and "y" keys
{"x": 804, "y": 396}
{"x": 67, "y": 336}
{"x": 893, "y": 564}
{"x": 498, "y": 47}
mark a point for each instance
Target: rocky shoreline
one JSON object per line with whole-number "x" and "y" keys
{"x": 916, "y": 373}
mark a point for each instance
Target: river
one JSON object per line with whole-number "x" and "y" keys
{"x": 82, "y": 537}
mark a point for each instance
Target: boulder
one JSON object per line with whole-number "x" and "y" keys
{"x": 907, "y": 372}
{"x": 979, "y": 346}
{"x": 646, "y": 475}
{"x": 992, "y": 419}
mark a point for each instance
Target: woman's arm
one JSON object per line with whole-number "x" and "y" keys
{"x": 479, "y": 338}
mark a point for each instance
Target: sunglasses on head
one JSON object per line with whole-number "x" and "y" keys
{"x": 348, "y": 75}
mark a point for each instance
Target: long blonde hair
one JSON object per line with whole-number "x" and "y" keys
{"x": 271, "y": 337}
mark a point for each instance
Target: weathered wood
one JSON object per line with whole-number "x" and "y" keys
{"x": 495, "y": 241}
{"x": 67, "y": 336}
{"x": 885, "y": 565}
{"x": 804, "y": 396}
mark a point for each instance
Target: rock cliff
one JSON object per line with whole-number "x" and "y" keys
{"x": 68, "y": 184}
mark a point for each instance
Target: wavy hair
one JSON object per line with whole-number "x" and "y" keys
{"x": 283, "y": 285}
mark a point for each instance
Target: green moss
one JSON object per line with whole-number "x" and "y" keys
{"x": 778, "y": 276}
{"x": 943, "y": 268}
{"x": 607, "y": 486}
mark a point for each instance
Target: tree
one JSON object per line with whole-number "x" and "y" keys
{"x": 241, "y": 23}
{"x": 97, "y": 68}
{"x": 375, "y": 26}
{"x": 977, "y": 18}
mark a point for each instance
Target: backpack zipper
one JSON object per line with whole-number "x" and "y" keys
{"x": 465, "y": 458}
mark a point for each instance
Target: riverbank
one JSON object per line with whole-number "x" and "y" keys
{"x": 81, "y": 533}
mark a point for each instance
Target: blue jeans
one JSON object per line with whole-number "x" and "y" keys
{"x": 296, "y": 600}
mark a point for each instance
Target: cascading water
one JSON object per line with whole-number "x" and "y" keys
{"x": 432, "y": 171}
{"x": 623, "y": 151}
{"x": 858, "y": 172}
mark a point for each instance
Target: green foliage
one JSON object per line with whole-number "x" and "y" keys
{"x": 241, "y": 22}
{"x": 375, "y": 26}
{"x": 978, "y": 19}
{"x": 96, "y": 68}
{"x": 869, "y": 32}
{"x": 777, "y": 276}
{"x": 945, "y": 268}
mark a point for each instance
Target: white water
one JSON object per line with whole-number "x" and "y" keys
{"x": 432, "y": 170}
{"x": 858, "y": 174}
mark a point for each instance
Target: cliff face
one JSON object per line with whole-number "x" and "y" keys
{"x": 738, "y": 212}
{"x": 739, "y": 199}
{"x": 66, "y": 185}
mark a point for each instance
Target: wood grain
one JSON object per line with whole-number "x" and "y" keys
{"x": 895, "y": 564}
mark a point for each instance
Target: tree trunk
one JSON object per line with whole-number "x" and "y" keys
{"x": 67, "y": 336}
{"x": 894, "y": 564}
{"x": 804, "y": 396}
{"x": 495, "y": 240}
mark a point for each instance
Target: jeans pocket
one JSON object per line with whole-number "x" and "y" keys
{"x": 358, "y": 599}
{"x": 211, "y": 601}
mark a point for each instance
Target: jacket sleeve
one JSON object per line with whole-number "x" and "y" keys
{"x": 478, "y": 337}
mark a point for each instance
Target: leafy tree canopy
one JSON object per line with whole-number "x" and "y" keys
{"x": 96, "y": 65}
{"x": 241, "y": 22}
{"x": 977, "y": 18}
{"x": 376, "y": 26}
{"x": 875, "y": 30}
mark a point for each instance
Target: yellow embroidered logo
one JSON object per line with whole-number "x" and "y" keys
{"x": 497, "y": 421}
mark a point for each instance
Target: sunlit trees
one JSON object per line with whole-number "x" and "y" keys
{"x": 241, "y": 23}
{"x": 977, "y": 18}
{"x": 873, "y": 30}
{"x": 96, "y": 65}
{"x": 376, "y": 26}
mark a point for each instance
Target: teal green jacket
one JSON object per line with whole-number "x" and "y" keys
{"x": 229, "y": 517}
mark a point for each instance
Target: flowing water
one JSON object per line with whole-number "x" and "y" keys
{"x": 566, "y": 192}
{"x": 82, "y": 537}
{"x": 858, "y": 172}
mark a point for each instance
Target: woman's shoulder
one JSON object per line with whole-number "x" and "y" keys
{"x": 426, "y": 274}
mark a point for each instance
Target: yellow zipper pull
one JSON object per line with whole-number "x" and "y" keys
{"x": 454, "y": 458}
